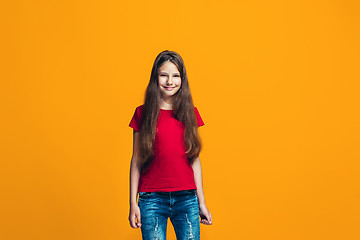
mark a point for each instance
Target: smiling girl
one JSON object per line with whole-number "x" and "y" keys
{"x": 165, "y": 166}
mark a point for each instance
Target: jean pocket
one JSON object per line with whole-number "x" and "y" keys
{"x": 191, "y": 191}
{"x": 145, "y": 194}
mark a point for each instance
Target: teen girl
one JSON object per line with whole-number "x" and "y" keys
{"x": 165, "y": 166}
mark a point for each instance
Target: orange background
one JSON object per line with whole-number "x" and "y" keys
{"x": 276, "y": 83}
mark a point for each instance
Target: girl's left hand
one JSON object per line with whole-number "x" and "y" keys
{"x": 205, "y": 215}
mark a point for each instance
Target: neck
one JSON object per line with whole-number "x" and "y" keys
{"x": 165, "y": 103}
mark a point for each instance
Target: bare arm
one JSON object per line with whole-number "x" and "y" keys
{"x": 134, "y": 183}
{"x": 204, "y": 212}
{"x": 198, "y": 181}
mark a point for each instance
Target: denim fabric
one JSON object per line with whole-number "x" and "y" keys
{"x": 180, "y": 206}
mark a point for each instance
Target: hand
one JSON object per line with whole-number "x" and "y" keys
{"x": 205, "y": 215}
{"x": 134, "y": 213}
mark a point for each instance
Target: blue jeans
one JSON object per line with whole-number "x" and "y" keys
{"x": 181, "y": 207}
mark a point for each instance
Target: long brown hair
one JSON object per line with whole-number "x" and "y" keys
{"x": 183, "y": 109}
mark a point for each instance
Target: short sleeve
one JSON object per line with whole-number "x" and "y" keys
{"x": 135, "y": 122}
{"x": 198, "y": 118}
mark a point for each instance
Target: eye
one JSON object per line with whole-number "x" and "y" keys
{"x": 176, "y": 76}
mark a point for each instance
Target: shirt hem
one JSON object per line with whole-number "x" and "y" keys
{"x": 165, "y": 189}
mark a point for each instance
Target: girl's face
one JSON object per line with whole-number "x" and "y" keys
{"x": 169, "y": 80}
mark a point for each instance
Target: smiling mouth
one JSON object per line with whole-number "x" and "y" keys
{"x": 169, "y": 88}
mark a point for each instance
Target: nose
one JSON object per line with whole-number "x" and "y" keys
{"x": 169, "y": 80}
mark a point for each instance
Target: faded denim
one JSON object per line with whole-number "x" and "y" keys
{"x": 181, "y": 207}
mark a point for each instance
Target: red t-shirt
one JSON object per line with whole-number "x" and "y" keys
{"x": 170, "y": 169}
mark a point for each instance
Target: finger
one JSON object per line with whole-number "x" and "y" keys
{"x": 210, "y": 218}
{"x": 132, "y": 222}
{"x": 138, "y": 220}
{"x": 204, "y": 221}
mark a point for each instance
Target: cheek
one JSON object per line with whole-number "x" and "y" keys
{"x": 161, "y": 81}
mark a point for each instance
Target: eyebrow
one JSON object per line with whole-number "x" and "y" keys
{"x": 166, "y": 73}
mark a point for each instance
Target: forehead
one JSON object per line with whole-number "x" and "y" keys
{"x": 168, "y": 67}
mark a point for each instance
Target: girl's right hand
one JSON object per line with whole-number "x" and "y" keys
{"x": 134, "y": 213}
